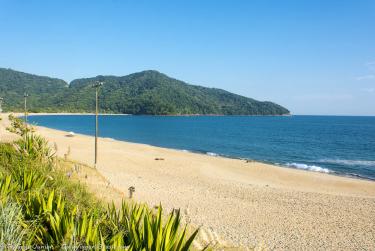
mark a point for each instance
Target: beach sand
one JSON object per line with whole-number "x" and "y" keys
{"x": 234, "y": 202}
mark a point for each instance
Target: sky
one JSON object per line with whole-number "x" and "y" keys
{"x": 313, "y": 57}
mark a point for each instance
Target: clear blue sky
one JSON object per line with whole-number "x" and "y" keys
{"x": 314, "y": 57}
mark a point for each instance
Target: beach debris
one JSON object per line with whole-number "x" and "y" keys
{"x": 69, "y": 174}
{"x": 108, "y": 184}
{"x": 131, "y": 191}
{"x": 70, "y": 134}
{"x": 249, "y": 161}
{"x": 85, "y": 176}
{"x": 159, "y": 158}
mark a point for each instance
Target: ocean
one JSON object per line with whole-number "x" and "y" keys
{"x": 342, "y": 145}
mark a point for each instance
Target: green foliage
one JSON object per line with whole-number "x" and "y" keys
{"x": 147, "y": 92}
{"x": 12, "y": 232}
{"x": 18, "y": 126}
{"x": 34, "y": 147}
{"x": 139, "y": 228}
{"x": 58, "y": 225}
{"x": 28, "y": 179}
{"x": 41, "y": 206}
{"x": 7, "y": 187}
{"x": 14, "y": 84}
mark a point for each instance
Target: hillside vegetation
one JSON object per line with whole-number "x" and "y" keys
{"x": 147, "y": 92}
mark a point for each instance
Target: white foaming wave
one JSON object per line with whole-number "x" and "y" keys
{"x": 212, "y": 154}
{"x": 309, "y": 167}
{"x": 349, "y": 162}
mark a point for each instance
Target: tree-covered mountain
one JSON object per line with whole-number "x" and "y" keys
{"x": 13, "y": 85}
{"x": 147, "y": 92}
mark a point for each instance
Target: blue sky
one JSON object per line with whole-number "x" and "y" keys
{"x": 314, "y": 57}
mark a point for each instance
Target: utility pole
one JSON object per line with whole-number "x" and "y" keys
{"x": 97, "y": 85}
{"x": 1, "y": 103}
{"x": 25, "y": 95}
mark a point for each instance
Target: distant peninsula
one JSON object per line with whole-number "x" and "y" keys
{"x": 143, "y": 93}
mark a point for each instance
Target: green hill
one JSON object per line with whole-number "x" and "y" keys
{"x": 14, "y": 84}
{"x": 147, "y": 92}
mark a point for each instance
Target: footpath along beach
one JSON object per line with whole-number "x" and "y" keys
{"x": 237, "y": 203}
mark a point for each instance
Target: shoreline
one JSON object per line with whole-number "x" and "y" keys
{"x": 216, "y": 155}
{"x": 213, "y": 154}
{"x": 71, "y": 113}
{"x": 235, "y": 203}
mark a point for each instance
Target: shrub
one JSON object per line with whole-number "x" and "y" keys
{"x": 18, "y": 126}
{"x": 12, "y": 232}
{"x": 41, "y": 206}
{"x": 34, "y": 147}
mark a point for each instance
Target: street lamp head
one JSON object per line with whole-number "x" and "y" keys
{"x": 25, "y": 95}
{"x": 97, "y": 84}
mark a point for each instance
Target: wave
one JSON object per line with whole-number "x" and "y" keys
{"x": 309, "y": 167}
{"x": 349, "y": 162}
{"x": 201, "y": 152}
{"x": 212, "y": 154}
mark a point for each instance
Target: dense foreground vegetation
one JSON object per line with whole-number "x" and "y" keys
{"x": 147, "y": 92}
{"x": 41, "y": 207}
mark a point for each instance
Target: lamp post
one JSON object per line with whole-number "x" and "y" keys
{"x": 97, "y": 85}
{"x": 25, "y": 95}
{"x": 1, "y": 103}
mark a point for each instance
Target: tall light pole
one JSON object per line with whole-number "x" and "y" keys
{"x": 1, "y": 103}
{"x": 25, "y": 95}
{"x": 97, "y": 85}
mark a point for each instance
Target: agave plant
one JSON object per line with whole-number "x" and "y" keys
{"x": 6, "y": 187}
{"x": 28, "y": 179}
{"x": 138, "y": 228}
{"x": 158, "y": 236}
{"x": 35, "y": 147}
{"x": 59, "y": 226}
{"x": 11, "y": 230}
{"x": 120, "y": 223}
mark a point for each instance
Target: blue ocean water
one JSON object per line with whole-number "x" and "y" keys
{"x": 333, "y": 144}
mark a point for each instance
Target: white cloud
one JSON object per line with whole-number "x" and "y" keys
{"x": 366, "y": 77}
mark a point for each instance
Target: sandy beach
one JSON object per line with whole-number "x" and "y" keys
{"x": 237, "y": 203}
